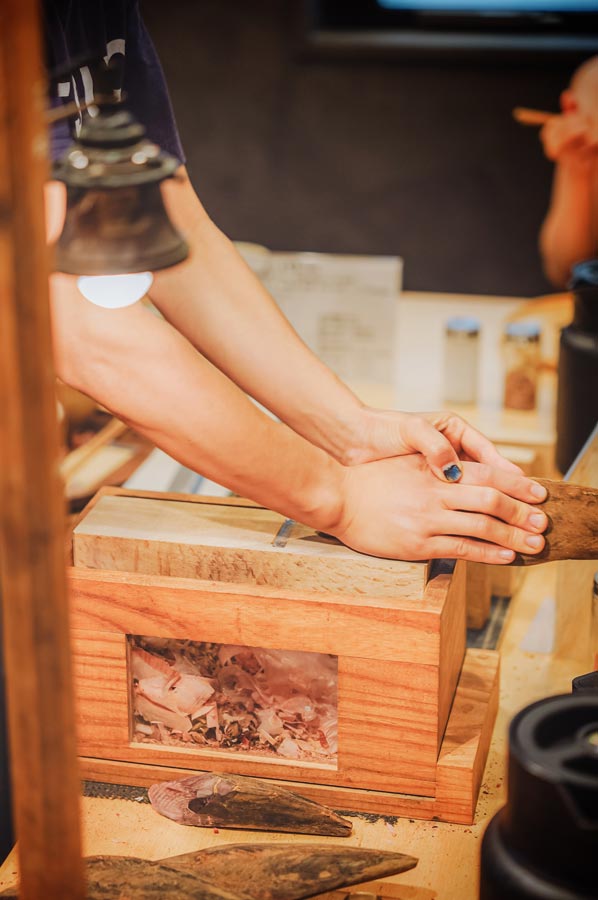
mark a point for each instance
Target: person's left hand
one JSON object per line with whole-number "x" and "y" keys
{"x": 396, "y": 509}
{"x": 443, "y": 438}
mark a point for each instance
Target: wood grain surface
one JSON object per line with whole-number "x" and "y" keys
{"x": 288, "y": 871}
{"x": 399, "y": 637}
{"x": 466, "y": 742}
{"x": 233, "y": 543}
{"x": 35, "y": 621}
{"x": 394, "y": 704}
{"x": 462, "y": 754}
{"x": 572, "y": 532}
{"x": 574, "y": 578}
{"x": 478, "y": 590}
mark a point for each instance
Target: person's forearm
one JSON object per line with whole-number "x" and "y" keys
{"x": 218, "y": 302}
{"x": 568, "y": 233}
{"x": 141, "y": 369}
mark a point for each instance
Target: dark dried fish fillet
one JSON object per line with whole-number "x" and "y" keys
{"x": 129, "y": 878}
{"x": 234, "y": 801}
{"x": 289, "y": 871}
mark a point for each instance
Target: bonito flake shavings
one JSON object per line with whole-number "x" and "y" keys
{"x": 222, "y": 696}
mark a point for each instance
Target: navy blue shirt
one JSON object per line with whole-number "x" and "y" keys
{"x": 79, "y": 31}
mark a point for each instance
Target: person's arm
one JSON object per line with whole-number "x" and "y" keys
{"x": 142, "y": 369}
{"x": 149, "y": 375}
{"x": 569, "y": 232}
{"x": 220, "y": 305}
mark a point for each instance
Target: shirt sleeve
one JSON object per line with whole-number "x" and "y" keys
{"x": 145, "y": 87}
{"x": 78, "y": 32}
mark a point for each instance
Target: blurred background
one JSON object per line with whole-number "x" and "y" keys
{"x": 345, "y": 127}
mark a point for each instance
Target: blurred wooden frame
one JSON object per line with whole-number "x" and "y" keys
{"x": 574, "y": 577}
{"x": 44, "y": 773}
{"x": 106, "y": 459}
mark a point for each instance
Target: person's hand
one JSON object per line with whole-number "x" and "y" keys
{"x": 443, "y": 438}
{"x": 396, "y": 508}
{"x": 572, "y": 137}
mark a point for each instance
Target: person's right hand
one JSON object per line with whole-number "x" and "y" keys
{"x": 396, "y": 508}
{"x": 572, "y": 136}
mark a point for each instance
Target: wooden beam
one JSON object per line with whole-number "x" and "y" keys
{"x": 232, "y": 542}
{"x": 478, "y": 594}
{"x": 40, "y": 706}
{"x": 575, "y": 578}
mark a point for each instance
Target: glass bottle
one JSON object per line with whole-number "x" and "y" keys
{"x": 521, "y": 347}
{"x": 461, "y": 360}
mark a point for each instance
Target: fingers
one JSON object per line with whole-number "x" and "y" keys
{"x": 497, "y": 508}
{"x": 517, "y": 486}
{"x": 470, "y": 442}
{"x": 440, "y": 454}
{"x": 467, "y": 548}
{"x": 491, "y": 530}
{"x": 501, "y": 506}
{"x": 570, "y": 133}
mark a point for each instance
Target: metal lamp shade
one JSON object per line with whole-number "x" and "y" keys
{"x": 116, "y": 222}
{"x": 115, "y": 231}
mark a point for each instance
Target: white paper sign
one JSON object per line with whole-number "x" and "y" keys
{"x": 343, "y": 306}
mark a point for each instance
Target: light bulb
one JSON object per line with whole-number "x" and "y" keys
{"x": 115, "y": 291}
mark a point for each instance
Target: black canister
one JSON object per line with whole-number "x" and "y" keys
{"x": 577, "y": 397}
{"x": 543, "y": 845}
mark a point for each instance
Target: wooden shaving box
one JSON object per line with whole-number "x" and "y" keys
{"x": 415, "y": 709}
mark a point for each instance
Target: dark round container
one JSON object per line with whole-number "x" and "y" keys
{"x": 543, "y": 845}
{"x": 577, "y": 395}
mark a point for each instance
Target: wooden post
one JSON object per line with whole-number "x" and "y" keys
{"x": 40, "y": 704}
{"x": 574, "y": 579}
{"x": 478, "y": 594}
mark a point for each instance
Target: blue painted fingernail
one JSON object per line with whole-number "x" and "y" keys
{"x": 452, "y": 472}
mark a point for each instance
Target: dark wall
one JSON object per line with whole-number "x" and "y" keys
{"x": 420, "y": 159}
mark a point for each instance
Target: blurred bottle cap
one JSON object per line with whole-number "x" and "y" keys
{"x": 526, "y": 330}
{"x": 463, "y": 325}
{"x": 584, "y": 274}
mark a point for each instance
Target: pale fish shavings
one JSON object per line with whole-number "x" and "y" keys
{"x": 256, "y": 700}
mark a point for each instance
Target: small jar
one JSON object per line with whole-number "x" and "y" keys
{"x": 521, "y": 347}
{"x": 461, "y": 360}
